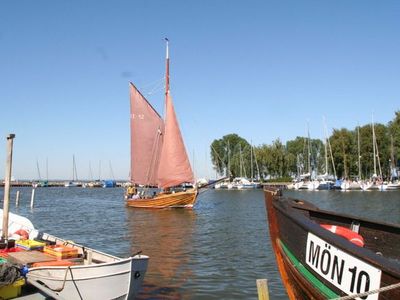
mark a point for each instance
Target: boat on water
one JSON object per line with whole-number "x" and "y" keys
{"x": 55, "y": 268}
{"x": 327, "y": 255}
{"x": 158, "y": 155}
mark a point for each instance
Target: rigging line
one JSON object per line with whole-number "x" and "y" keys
{"x": 216, "y": 153}
{"x": 152, "y": 83}
{"x": 361, "y": 295}
{"x": 153, "y": 87}
{"x": 156, "y": 89}
{"x": 154, "y": 158}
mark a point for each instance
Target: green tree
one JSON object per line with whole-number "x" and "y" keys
{"x": 230, "y": 155}
{"x": 394, "y": 132}
{"x": 342, "y": 143}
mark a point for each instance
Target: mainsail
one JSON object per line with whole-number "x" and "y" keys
{"x": 146, "y": 139}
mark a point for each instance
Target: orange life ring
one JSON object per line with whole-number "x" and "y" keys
{"x": 347, "y": 233}
{"x": 23, "y": 233}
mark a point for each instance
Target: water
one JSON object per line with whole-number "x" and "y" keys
{"x": 216, "y": 251}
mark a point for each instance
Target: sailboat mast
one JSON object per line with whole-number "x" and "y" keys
{"x": 359, "y": 154}
{"x": 326, "y": 156}
{"x": 374, "y": 145}
{"x": 309, "y": 150}
{"x": 251, "y": 162}
{"x": 167, "y": 67}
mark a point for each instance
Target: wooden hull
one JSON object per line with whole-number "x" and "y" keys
{"x": 317, "y": 264}
{"x": 185, "y": 199}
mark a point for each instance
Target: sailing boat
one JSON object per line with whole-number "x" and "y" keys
{"x": 158, "y": 155}
{"x": 349, "y": 185}
{"x": 74, "y": 181}
{"x": 376, "y": 182}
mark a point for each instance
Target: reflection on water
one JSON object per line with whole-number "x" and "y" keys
{"x": 166, "y": 236}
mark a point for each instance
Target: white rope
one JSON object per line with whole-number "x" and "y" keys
{"x": 383, "y": 289}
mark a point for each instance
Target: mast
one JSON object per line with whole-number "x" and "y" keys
{"x": 391, "y": 162}
{"x": 7, "y": 180}
{"x": 167, "y": 67}
{"x": 330, "y": 150}
{"x": 251, "y": 162}
{"x": 38, "y": 170}
{"x": 373, "y": 146}
{"x": 326, "y": 156}
{"x": 174, "y": 165}
{"x": 359, "y": 154}
{"x": 309, "y": 150}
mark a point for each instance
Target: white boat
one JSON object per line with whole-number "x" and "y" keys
{"x": 393, "y": 185}
{"x": 94, "y": 274}
{"x": 350, "y": 185}
{"x": 325, "y": 184}
{"x": 313, "y": 185}
{"x": 301, "y": 185}
{"x": 366, "y": 185}
{"x": 242, "y": 183}
{"x": 223, "y": 184}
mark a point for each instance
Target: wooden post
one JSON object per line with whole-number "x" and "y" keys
{"x": 7, "y": 181}
{"x": 262, "y": 289}
{"x": 17, "y": 199}
{"x": 32, "y": 197}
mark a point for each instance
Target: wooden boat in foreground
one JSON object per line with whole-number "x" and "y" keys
{"x": 85, "y": 273}
{"x": 315, "y": 263}
{"x": 158, "y": 155}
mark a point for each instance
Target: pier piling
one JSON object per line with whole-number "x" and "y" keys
{"x": 262, "y": 289}
{"x": 32, "y": 197}
{"x": 17, "y": 199}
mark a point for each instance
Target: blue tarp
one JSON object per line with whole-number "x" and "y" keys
{"x": 109, "y": 183}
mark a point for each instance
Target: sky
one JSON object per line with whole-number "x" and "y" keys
{"x": 260, "y": 69}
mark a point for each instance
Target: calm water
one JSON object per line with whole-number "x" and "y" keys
{"x": 216, "y": 251}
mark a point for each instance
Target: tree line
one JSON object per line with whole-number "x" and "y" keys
{"x": 347, "y": 151}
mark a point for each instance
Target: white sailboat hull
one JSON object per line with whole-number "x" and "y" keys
{"x": 393, "y": 186}
{"x": 120, "y": 279}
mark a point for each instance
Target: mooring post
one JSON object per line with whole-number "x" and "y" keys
{"x": 7, "y": 183}
{"x": 32, "y": 197}
{"x": 17, "y": 199}
{"x": 262, "y": 289}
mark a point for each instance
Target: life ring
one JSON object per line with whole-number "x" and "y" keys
{"x": 22, "y": 233}
{"x": 347, "y": 233}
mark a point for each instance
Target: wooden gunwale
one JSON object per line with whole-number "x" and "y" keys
{"x": 301, "y": 215}
{"x": 363, "y": 253}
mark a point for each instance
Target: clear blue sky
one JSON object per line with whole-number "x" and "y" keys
{"x": 261, "y": 69}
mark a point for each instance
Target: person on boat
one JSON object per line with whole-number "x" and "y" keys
{"x": 132, "y": 192}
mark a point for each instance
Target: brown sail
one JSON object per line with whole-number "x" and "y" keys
{"x": 146, "y": 139}
{"x": 174, "y": 167}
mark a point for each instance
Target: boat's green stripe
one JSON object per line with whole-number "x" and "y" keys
{"x": 308, "y": 275}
